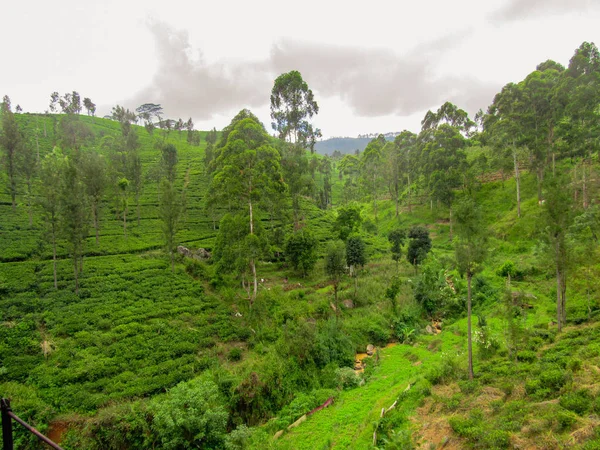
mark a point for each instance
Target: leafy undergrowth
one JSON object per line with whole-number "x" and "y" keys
{"x": 544, "y": 398}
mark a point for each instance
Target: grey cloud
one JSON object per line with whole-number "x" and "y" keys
{"x": 379, "y": 82}
{"x": 372, "y": 82}
{"x": 189, "y": 87}
{"x": 525, "y": 9}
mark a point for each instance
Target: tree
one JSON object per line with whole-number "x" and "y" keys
{"x": 396, "y": 238}
{"x": 301, "y": 250}
{"x": 247, "y": 171}
{"x": 470, "y": 251}
{"x": 392, "y": 291}
{"x": 355, "y": 257}
{"x": 371, "y": 164}
{"x": 89, "y": 106}
{"x": 292, "y": 102}
{"x": 123, "y": 185}
{"x": 74, "y": 215}
{"x": 94, "y": 177}
{"x": 401, "y": 166}
{"x": 54, "y": 101}
{"x": 558, "y": 217}
{"x": 27, "y": 167}
{"x": 419, "y": 245}
{"x": 335, "y": 266}
{"x": 169, "y": 161}
{"x": 347, "y": 221}
{"x": 51, "y": 176}
{"x": 189, "y": 126}
{"x": 295, "y": 166}
{"x": 10, "y": 142}
{"x": 170, "y": 210}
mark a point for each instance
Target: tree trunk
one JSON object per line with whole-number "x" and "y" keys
{"x": 54, "y": 253}
{"x": 396, "y": 193}
{"x": 450, "y": 219}
{"x": 540, "y": 180}
{"x": 408, "y": 196}
{"x": 96, "y": 224}
{"x": 75, "y": 269}
{"x": 584, "y": 187}
{"x": 125, "y": 222}
{"x": 252, "y": 262}
{"x": 558, "y": 299}
{"x": 518, "y": 180}
{"x": 469, "y": 340}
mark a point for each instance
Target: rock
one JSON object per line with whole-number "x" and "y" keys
{"x": 349, "y": 304}
{"x": 418, "y": 363}
{"x": 428, "y": 329}
{"x": 370, "y": 349}
{"x": 278, "y": 434}
{"x": 333, "y": 306}
{"x": 200, "y": 254}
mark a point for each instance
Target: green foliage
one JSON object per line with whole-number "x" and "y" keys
{"x": 396, "y": 238}
{"x": 191, "y": 415}
{"x": 578, "y": 401}
{"x": 419, "y": 245}
{"x": 301, "y": 251}
{"x": 347, "y": 221}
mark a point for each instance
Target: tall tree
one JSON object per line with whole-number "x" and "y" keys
{"x": 247, "y": 170}
{"x": 170, "y": 212}
{"x": 50, "y": 191}
{"x": 335, "y": 266}
{"x": 292, "y": 102}
{"x": 470, "y": 249}
{"x": 419, "y": 244}
{"x": 371, "y": 165}
{"x": 356, "y": 257}
{"x": 558, "y": 217}
{"x": 396, "y": 238}
{"x": 27, "y": 167}
{"x": 10, "y": 142}
{"x": 74, "y": 215}
{"x": 94, "y": 177}
{"x": 89, "y": 106}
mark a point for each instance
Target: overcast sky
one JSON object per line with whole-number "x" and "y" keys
{"x": 374, "y": 66}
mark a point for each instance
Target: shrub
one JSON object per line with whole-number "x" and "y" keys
{"x": 301, "y": 251}
{"x": 579, "y": 401}
{"x": 565, "y": 420}
{"x": 190, "y": 415}
{"x": 347, "y": 378}
{"x": 235, "y": 354}
{"x": 526, "y": 356}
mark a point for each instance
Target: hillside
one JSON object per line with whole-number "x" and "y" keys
{"x": 405, "y": 253}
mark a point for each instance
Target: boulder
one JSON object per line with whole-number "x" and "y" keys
{"x": 428, "y": 329}
{"x": 349, "y": 304}
{"x": 370, "y": 349}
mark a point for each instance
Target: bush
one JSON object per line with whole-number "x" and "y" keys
{"x": 235, "y": 354}
{"x": 579, "y": 401}
{"x": 347, "y": 378}
{"x": 191, "y": 415}
{"x": 301, "y": 251}
{"x": 526, "y": 356}
{"x": 565, "y": 420}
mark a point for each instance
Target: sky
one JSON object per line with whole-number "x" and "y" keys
{"x": 374, "y": 67}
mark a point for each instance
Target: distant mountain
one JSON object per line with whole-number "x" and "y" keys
{"x": 347, "y": 144}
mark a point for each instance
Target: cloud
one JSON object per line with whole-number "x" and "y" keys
{"x": 372, "y": 82}
{"x": 526, "y": 9}
{"x": 187, "y": 86}
{"x": 378, "y": 82}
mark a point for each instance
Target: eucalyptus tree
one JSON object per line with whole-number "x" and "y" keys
{"x": 371, "y": 166}
{"x": 292, "y": 103}
{"x": 170, "y": 210}
{"x": 27, "y": 168}
{"x": 335, "y": 266}
{"x": 402, "y": 166}
{"x": 470, "y": 250}
{"x": 247, "y": 170}
{"x": 11, "y": 141}
{"x": 356, "y": 257}
{"x": 50, "y": 191}
{"x": 558, "y": 215}
{"x": 89, "y": 106}
{"x": 74, "y": 217}
{"x": 444, "y": 160}
{"x": 93, "y": 173}
{"x": 349, "y": 168}
{"x": 580, "y": 125}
